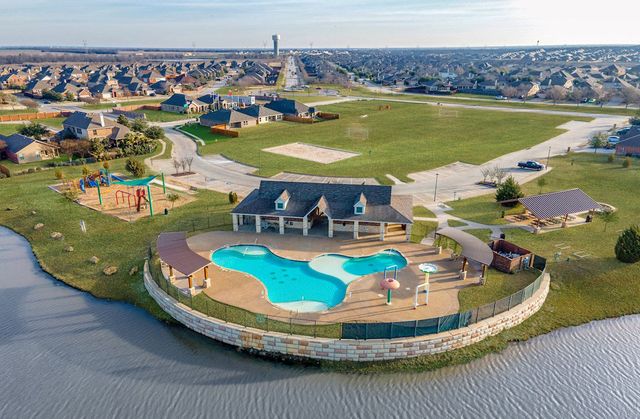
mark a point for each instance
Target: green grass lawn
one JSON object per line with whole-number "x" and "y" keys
{"x": 408, "y": 138}
{"x": 17, "y": 111}
{"x": 205, "y": 134}
{"x": 456, "y": 223}
{"x": 162, "y": 116}
{"x": 114, "y": 241}
{"x": 109, "y": 105}
{"x": 497, "y": 286}
{"x": 8, "y": 129}
{"x": 482, "y": 209}
{"x": 421, "y": 229}
{"x": 421, "y": 211}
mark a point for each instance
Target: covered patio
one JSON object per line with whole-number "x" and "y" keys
{"x": 471, "y": 248}
{"x": 182, "y": 262}
{"x": 555, "y": 210}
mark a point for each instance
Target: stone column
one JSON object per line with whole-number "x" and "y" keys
{"x": 234, "y": 218}
{"x": 281, "y": 224}
{"x": 305, "y": 226}
{"x": 330, "y": 227}
{"x": 408, "y": 232}
{"x": 355, "y": 229}
{"x": 382, "y": 230}
{"x": 258, "y": 226}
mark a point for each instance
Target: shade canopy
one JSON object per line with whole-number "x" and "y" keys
{"x": 555, "y": 204}
{"x": 174, "y": 251}
{"x": 136, "y": 182}
{"x": 472, "y": 247}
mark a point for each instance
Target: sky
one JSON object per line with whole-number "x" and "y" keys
{"x": 325, "y": 23}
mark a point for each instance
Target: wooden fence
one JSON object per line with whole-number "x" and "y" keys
{"x": 33, "y": 116}
{"x": 225, "y": 132}
{"x": 298, "y": 119}
{"x": 130, "y": 108}
{"x": 327, "y": 116}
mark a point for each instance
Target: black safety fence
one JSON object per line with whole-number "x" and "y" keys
{"x": 392, "y": 330}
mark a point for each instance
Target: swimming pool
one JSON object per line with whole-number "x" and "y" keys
{"x": 296, "y": 285}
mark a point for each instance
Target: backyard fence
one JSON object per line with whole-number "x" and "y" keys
{"x": 225, "y": 132}
{"x": 33, "y": 116}
{"x": 351, "y": 330}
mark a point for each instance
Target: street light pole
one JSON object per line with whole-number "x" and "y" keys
{"x": 548, "y": 157}
{"x": 435, "y": 191}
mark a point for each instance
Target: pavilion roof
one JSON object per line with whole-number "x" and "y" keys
{"x": 555, "y": 204}
{"x": 174, "y": 251}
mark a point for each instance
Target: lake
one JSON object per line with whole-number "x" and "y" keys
{"x": 66, "y": 354}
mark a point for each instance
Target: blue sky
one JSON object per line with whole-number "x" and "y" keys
{"x": 326, "y": 23}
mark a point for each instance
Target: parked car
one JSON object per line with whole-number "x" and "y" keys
{"x": 623, "y": 131}
{"x": 530, "y": 164}
{"x": 500, "y": 97}
{"x": 613, "y": 139}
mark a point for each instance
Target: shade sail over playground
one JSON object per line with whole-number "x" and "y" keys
{"x": 145, "y": 181}
{"x": 472, "y": 247}
{"x": 174, "y": 251}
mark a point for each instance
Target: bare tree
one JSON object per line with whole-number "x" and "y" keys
{"x": 604, "y": 96}
{"x": 183, "y": 163}
{"x": 630, "y": 96}
{"x": 509, "y": 92}
{"x": 176, "y": 165}
{"x": 189, "y": 161}
{"x": 499, "y": 174}
{"x": 556, "y": 93}
{"x": 486, "y": 172}
{"x": 577, "y": 94}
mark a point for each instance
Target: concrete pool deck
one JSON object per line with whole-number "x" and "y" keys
{"x": 364, "y": 299}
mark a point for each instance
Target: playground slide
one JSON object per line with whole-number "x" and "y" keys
{"x": 118, "y": 178}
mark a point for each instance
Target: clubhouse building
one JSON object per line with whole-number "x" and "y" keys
{"x": 323, "y": 209}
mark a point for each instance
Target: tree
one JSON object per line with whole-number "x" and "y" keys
{"x": 98, "y": 148}
{"x": 183, "y": 163}
{"x": 577, "y": 95}
{"x": 85, "y": 171}
{"x": 177, "y": 165}
{"x": 556, "y": 93}
{"x": 486, "y": 172}
{"x": 630, "y": 96}
{"x": 598, "y": 141}
{"x": 628, "y": 245}
{"x": 135, "y": 167}
{"x": 608, "y": 217}
{"x": 233, "y": 197}
{"x": 542, "y": 182}
{"x": 499, "y": 174}
{"x": 509, "y": 190}
{"x": 604, "y": 96}
{"x": 189, "y": 161}
{"x": 29, "y": 103}
{"x": 509, "y": 92}
{"x": 155, "y": 133}
{"x": 139, "y": 125}
{"x": 172, "y": 197}
{"x": 70, "y": 97}
{"x": 123, "y": 120}
{"x": 51, "y": 95}
{"x": 34, "y": 130}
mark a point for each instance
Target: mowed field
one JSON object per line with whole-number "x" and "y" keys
{"x": 404, "y": 139}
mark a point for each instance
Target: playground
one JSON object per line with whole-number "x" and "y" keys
{"x": 126, "y": 199}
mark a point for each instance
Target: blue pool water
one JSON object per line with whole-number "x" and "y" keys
{"x": 304, "y": 286}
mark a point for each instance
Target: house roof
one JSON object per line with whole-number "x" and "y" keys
{"x": 555, "y": 204}
{"x": 17, "y": 142}
{"x": 86, "y": 121}
{"x": 336, "y": 201}
{"x": 259, "y": 111}
{"x": 225, "y": 116}
{"x": 177, "y": 99}
{"x": 287, "y": 106}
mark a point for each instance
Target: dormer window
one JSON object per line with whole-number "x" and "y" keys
{"x": 282, "y": 201}
{"x": 360, "y": 204}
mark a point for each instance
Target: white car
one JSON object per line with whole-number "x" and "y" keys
{"x": 613, "y": 139}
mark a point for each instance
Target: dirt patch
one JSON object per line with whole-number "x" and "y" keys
{"x": 311, "y": 152}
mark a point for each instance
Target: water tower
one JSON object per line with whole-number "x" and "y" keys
{"x": 276, "y": 47}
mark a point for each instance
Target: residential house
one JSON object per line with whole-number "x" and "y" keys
{"x": 87, "y": 126}
{"x": 20, "y": 149}
{"x": 629, "y": 144}
{"x": 262, "y": 114}
{"x": 227, "y": 119}
{"x": 324, "y": 208}
{"x": 179, "y": 103}
{"x": 291, "y": 108}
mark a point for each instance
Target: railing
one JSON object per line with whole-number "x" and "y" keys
{"x": 352, "y": 330}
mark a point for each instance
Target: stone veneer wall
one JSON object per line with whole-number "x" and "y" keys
{"x": 344, "y": 349}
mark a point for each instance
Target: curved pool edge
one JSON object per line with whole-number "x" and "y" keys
{"x": 304, "y": 306}
{"x": 334, "y": 349}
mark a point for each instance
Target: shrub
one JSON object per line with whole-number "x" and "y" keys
{"x": 106, "y": 165}
{"x": 139, "y": 125}
{"x": 610, "y": 159}
{"x": 628, "y": 245}
{"x": 71, "y": 194}
{"x": 233, "y": 197}
{"x": 59, "y": 174}
{"x": 635, "y": 120}
{"x": 5, "y": 171}
{"x": 626, "y": 163}
{"x": 34, "y": 130}
{"x": 123, "y": 120}
{"x": 31, "y": 170}
{"x": 85, "y": 171}
{"x": 155, "y": 133}
{"x": 509, "y": 190}
{"x": 135, "y": 167}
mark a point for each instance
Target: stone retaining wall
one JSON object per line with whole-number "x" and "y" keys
{"x": 343, "y": 349}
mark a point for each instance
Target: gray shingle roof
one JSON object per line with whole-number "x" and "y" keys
{"x": 17, "y": 142}
{"x": 225, "y": 116}
{"x": 337, "y": 200}
{"x": 259, "y": 111}
{"x": 287, "y": 106}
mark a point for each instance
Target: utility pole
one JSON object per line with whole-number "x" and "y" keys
{"x": 548, "y": 157}
{"x": 435, "y": 191}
